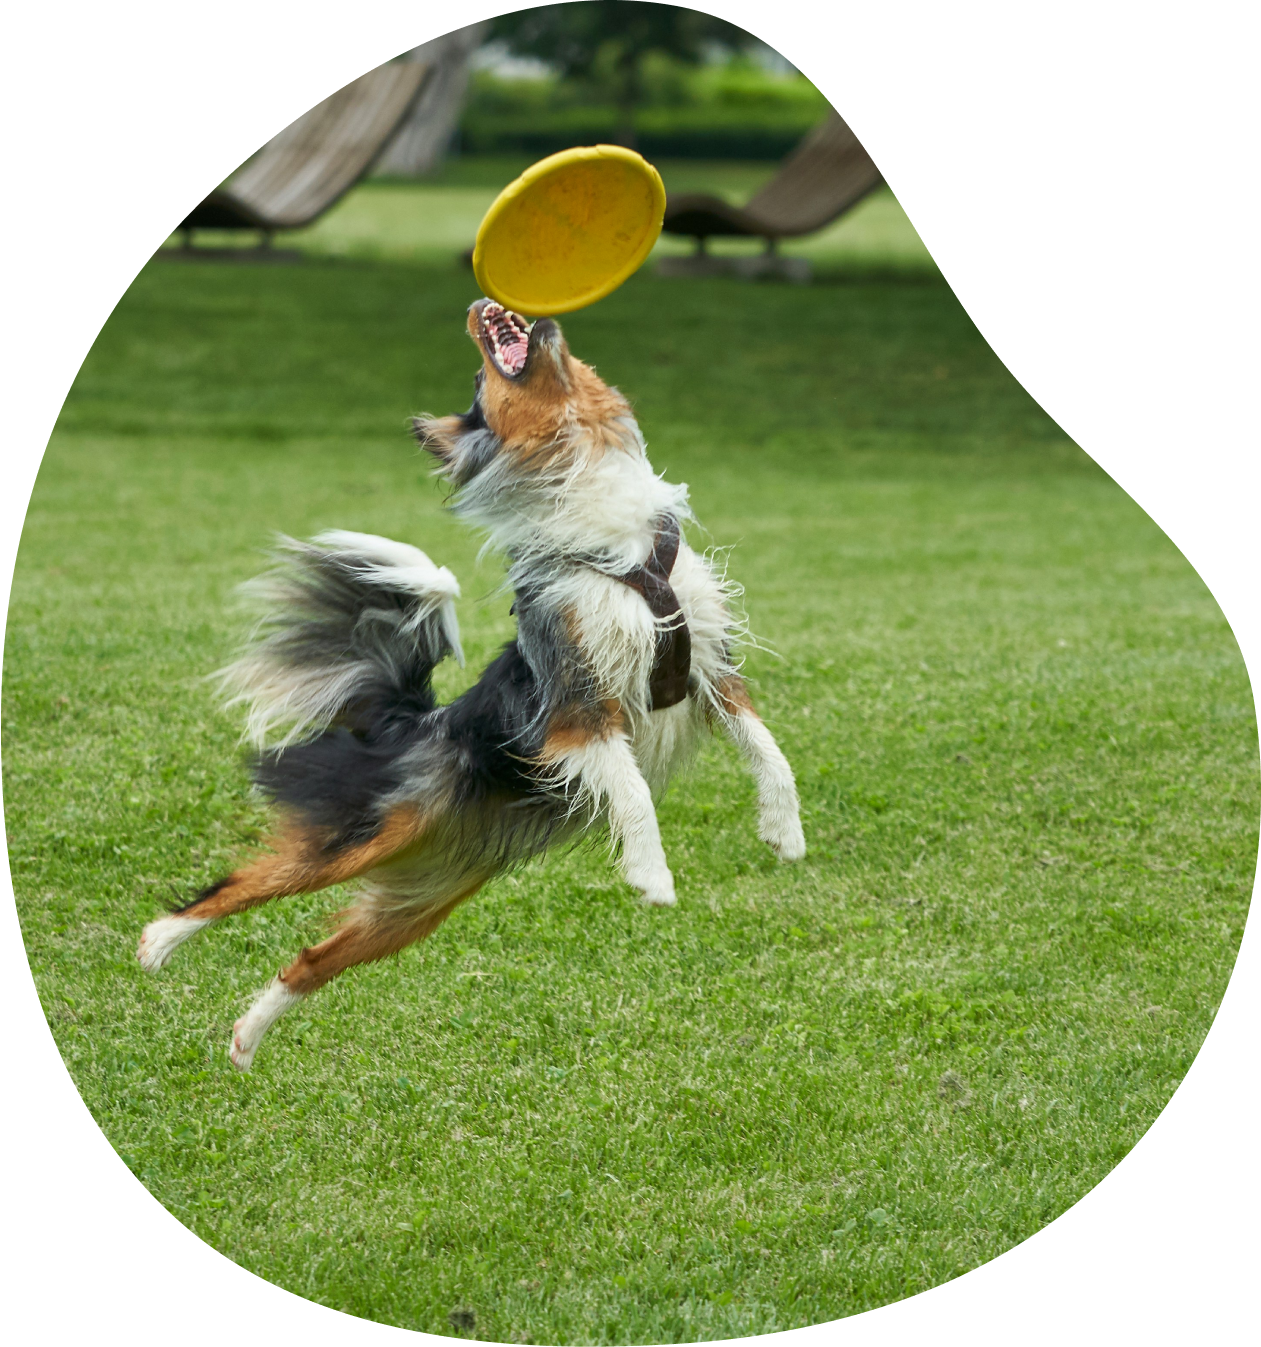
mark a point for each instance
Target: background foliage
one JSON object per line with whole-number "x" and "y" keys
{"x": 670, "y": 82}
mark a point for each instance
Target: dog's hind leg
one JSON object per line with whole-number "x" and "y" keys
{"x": 367, "y": 933}
{"x": 779, "y": 812}
{"x": 300, "y": 863}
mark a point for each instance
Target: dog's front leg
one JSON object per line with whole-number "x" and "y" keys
{"x": 779, "y": 812}
{"x": 606, "y": 775}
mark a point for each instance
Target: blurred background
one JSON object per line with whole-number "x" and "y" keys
{"x": 1022, "y": 731}
{"x": 716, "y": 110}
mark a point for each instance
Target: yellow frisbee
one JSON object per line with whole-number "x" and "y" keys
{"x": 569, "y": 230}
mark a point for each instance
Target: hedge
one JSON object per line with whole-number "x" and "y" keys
{"x": 719, "y": 114}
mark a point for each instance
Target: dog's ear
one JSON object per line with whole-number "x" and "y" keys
{"x": 438, "y": 434}
{"x": 550, "y": 346}
{"x": 463, "y": 445}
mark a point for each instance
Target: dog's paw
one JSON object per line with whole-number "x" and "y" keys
{"x": 248, "y": 1031}
{"x": 244, "y": 1044}
{"x": 782, "y": 833}
{"x": 161, "y": 938}
{"x": 658, "y": 891}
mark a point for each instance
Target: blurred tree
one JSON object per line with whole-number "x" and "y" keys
{"x": 604, "y": 43}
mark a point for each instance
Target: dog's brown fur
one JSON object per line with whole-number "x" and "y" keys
{"x": 532, "y": 415}
{"x": 300, "y": 861}
{"x": 367, "y": 934}
{"x": 578, "y": 726}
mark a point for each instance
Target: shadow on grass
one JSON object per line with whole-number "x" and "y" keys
{"x": 877, "y": 273}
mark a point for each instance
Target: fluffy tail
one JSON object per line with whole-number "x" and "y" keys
{"x": 351, "y": 628}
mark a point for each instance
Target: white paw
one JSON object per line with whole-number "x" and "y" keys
{"x": 161, "y": 938}
{"x": 782, "y": 833}
{"x": 659, "y": 891}
{"x": 244, "y": 1044}
{"x": 248, "y": 1031}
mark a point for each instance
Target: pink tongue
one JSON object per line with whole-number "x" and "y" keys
{"x": 513, "y": 356}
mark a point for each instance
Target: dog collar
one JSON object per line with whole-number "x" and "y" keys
{"x": 667, "y": 684}
{"x": 672, "y": 664}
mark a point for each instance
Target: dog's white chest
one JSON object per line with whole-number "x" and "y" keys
{"x": 665, "y": 742}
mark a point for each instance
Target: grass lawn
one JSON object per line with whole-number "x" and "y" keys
{"x": 1026, "y": 750}
{"x": 430, "y": 222}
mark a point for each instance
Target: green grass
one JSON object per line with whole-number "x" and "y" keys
{"x": 435, "y": 220}
{"x": 1028, "y": 765}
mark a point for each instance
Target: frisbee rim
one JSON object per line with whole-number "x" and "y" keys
{"x": 544, "y": 168}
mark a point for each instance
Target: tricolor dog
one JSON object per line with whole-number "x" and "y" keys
{"x": 623, "y": 659}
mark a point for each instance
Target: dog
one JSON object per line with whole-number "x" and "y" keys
{"x": 624, "y": 657}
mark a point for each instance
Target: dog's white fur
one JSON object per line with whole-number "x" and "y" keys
{"x": 286, "y": 703}
{"x": 161, "y": 938}
{"x": 248, "y": 1031}
{"x": 607, "y": 502}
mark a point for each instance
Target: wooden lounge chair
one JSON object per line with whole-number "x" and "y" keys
{"x": 424, "y": 139}
{"x": 316, "y": 160}
{"x": 820, "y": 180}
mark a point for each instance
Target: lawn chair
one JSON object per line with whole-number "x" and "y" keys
{"x": 819, "y": 181}
{"x": 425, "y": 137}
{"x": 316, "y": 160}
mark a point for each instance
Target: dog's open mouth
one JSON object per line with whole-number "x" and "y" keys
{"x": 505, "y": 336}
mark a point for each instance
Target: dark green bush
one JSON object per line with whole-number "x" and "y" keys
{"x": 733, "y": 111}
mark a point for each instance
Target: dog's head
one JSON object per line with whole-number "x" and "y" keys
{"x": 535, "y": 403}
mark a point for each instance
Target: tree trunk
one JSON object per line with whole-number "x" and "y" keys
{"x": 626, "y": 133}
{"x": 627, "y": 103}
{"x": 423, "y": 140}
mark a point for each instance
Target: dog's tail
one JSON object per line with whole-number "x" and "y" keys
{"x": 350, "y": 631}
